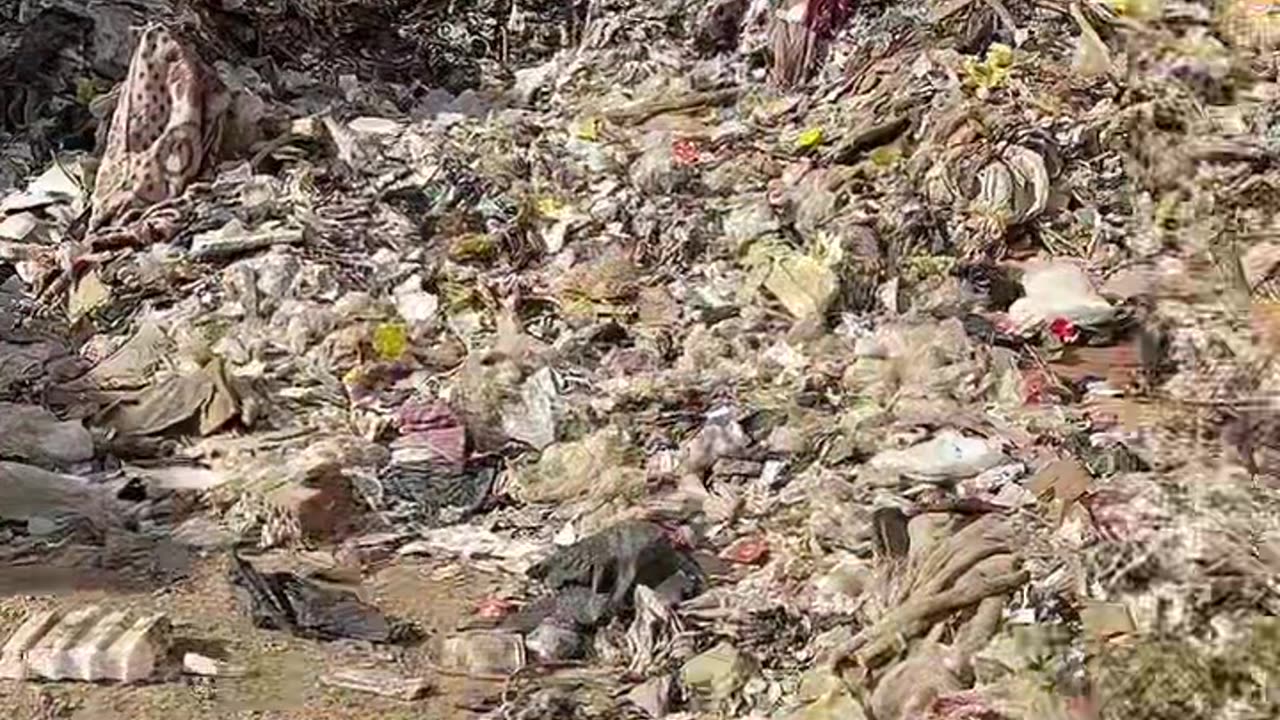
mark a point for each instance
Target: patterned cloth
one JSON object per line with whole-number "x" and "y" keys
{"x": 166, "y": 129}
{"x": 435, "y": 428}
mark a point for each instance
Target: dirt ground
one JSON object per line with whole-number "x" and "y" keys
{"x": 282, "y": 683}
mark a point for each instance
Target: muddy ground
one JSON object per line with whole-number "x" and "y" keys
{"x": 282, "y": 682}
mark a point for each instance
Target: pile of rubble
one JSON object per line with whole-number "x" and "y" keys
{"x": 897, "y": 361}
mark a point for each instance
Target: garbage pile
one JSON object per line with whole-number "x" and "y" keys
{"x": 804, "y": 360}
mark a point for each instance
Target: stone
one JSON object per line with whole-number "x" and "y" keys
{"x": 35, "y": 435}
{"x": 13, "y": 657}
{"x": 38, "y": 526}
{"x": 86, "y": 644}
{"x": 20, "y": 226}
{"x": 652, "y": 696}
{"x": 202, "y": 532}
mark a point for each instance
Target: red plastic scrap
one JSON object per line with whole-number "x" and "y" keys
{"x": 494, "y": 608}
{"x": 747, "y": 551}
{"x": 1065, "y": 330}
{"x": 686, "y": 152}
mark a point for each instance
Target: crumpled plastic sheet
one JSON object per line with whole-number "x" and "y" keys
{"x": 285, "y": 601}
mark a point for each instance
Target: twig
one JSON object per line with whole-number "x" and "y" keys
{"x": 637, "y": 112}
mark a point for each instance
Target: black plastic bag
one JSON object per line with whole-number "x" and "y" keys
{"x": 285, "y": 601}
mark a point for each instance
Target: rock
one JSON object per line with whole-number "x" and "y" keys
{"x": 202, "y": 532}
{"x": 35, "y": 435}
{"x": 87, "y": 644}
{"x": 378, "y": 682}
{"x": 38, "y": 526}
{"x": 484, "y": 653}
{"x": 652, "y": 696}
{"x": 27, "y": 491}
{"x": 19, "y": 226}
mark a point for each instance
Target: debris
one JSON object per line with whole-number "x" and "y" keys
{"x": 948, "y": 456}
{"x": 826, "y": 359}
{"x": 1065, "y": 480}
{"x": 1059, "y": 291}
{"x": 378, "y": 682}
{"x": 88, "y": 644}
{"x": 912, "y": 686}
{"x": 484, "y": 653}
{"x": 1104, "y": 621}
{"x": 748, "y": 551}
{"x": 285, "y": 601}
{"x": 534, "y": 420}
{"x": 803, "y": 284}
{"x": 826, "y": 697}
{"x": 321, "y": 511}
{"x": 630, "y": 553}
{"x": 652, "y": 696}
{"x": 164, "y": 130}
{"x": 718, "y": 673}
{"x": 653, "y": 632}
{"x": 34, "y": 435}
{"x": 206, "y": 397}
{"x": 197, "y": 664}
{"x": 597, "y": 465}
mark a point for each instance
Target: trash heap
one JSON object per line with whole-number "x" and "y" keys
{"x": 893, "y": 361}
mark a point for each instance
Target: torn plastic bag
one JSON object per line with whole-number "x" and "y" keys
{"x": 285, "y": 601}
{"x": 421, "y": 490}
